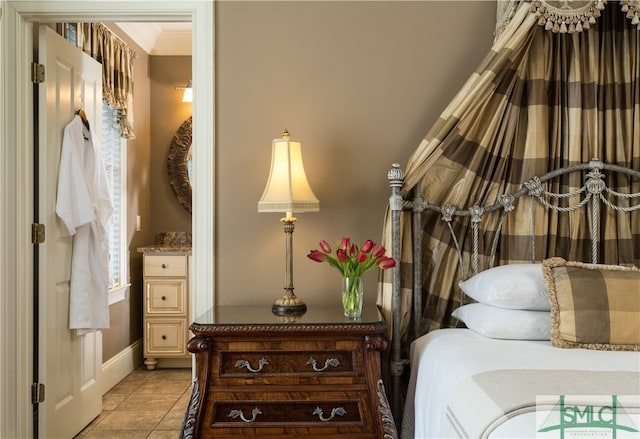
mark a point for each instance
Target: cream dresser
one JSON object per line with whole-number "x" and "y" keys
{"x": 166, "y": 316}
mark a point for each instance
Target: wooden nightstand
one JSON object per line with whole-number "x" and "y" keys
{"x": 259, "y": 376}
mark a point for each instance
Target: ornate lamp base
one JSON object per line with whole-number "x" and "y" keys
{"x": 289, "y": 304}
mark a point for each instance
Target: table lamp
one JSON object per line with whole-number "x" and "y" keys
{"x": 288, "y": 191}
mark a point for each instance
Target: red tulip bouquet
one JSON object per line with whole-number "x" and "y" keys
{"x": 352, "y": 262}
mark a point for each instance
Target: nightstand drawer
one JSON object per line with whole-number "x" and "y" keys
{"x": 165, "y": 265}
{"x": 303, "y": 412}
{"x": 234, "y": 364}
{"x": 288, "y": 362}
{"x": 166, "y": 296}
{"x": 165, "y": 337}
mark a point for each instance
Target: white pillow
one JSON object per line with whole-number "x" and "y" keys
{"x": 511, "y": 324}
{"x": 514, "y": 286}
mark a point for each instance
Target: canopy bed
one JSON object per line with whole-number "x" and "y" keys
{"x": 505, "y": 190}
{"x": 524, "y": 322}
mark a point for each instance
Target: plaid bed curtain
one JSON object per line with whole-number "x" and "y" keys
{"x": 117, "y": 71}
{"x": 553, "y": 92}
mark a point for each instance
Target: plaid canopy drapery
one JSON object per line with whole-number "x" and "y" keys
{"x": 559, "y": 87}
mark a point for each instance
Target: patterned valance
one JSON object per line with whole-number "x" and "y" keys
{"x": 565, "y": 16}
{"x": 117, "y": 71}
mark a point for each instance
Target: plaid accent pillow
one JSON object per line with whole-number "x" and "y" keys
{"x": 593, "y": 306}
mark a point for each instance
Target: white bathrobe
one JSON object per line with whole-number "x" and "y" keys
{"x": 84, "y": 205}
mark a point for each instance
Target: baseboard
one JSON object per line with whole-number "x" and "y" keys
{"x": 116, "y": 368}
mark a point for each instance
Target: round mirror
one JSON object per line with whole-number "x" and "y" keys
{"x": 179, "y": 164}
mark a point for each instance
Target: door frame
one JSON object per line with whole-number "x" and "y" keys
{"x": 16, "y": 172}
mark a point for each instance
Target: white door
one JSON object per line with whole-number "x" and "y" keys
{"x": 70, "y": 366}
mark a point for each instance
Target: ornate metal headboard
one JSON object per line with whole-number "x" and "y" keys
{"x": 593, "y": 194}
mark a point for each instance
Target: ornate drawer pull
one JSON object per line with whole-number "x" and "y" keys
{"x": 245, "y": 363}
{"x": 333, "y": 362}
{"x": 238, "y": 414}
{"x": 338, "y": 411}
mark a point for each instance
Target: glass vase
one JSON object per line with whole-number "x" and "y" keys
{"x": 352, "y": 297}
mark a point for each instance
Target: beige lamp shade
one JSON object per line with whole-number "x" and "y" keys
{"x": 287, "y": 188}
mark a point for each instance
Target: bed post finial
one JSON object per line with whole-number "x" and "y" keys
{"x": 395, "y": 176}
{"x": 396, "y": 179}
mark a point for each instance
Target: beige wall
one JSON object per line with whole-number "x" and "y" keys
{"x": 360, "y": 83}
{"x": 168, "y": 112}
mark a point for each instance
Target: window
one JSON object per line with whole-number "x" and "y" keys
{"x": 69, "y": 31}
{"x": 114, "y": 158}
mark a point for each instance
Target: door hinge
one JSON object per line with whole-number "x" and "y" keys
{"x": 37, "y": 233}
{"x": 37, "y": 73}
{"x": 37, "y": 393}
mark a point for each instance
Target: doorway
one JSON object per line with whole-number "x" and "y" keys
{"x": 17, "y": 192}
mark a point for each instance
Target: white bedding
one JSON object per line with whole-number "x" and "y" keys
{"x": 444, "y": 358}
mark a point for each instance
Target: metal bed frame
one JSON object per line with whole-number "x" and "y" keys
{"x": 593, "y": 194}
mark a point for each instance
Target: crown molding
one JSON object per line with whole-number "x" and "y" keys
{"x": 160, "y": 38}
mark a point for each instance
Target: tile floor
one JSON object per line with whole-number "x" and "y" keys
{"x": 147, "y": 404}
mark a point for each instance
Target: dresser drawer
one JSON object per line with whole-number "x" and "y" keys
{"x": 165, "y": 337}
{"x": 300, "y": 411}
{"x": 165, "y": 265}
{"x": 284, "y": 362}
{"x": 165, "y": 296}
{"x": 235, "y": 364}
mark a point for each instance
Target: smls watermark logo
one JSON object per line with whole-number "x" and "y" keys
{"x": 587, "y": 416}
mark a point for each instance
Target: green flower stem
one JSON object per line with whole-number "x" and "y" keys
{"x": 352, "y": 296}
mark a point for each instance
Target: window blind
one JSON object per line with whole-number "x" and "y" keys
{"x": 112, "y": 157}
